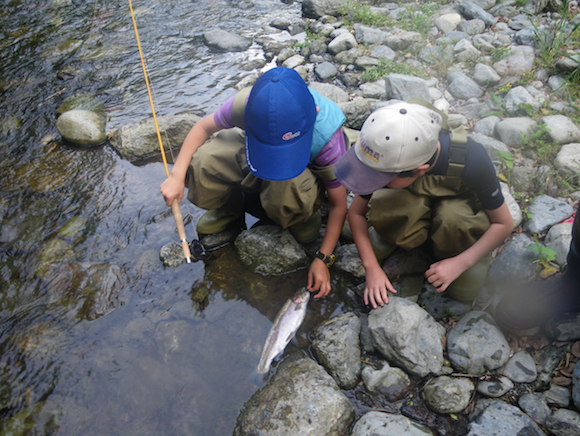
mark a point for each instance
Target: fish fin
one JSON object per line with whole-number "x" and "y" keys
{"x": 294, "y": 340}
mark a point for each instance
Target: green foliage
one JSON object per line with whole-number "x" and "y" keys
{"x": 417, "y": 20}
{"x": 554, "y": 44}
{"x": 500, "y": 52}
{"x": 547, "y": 261}
{"x": 358, "y": 13}
{"x": 387, "y": 67}
{"x": 310, "y": 36}
{"x": 543, "y": 251}
{"x": 539, "y": 143}
{"x": 508, "y": 159}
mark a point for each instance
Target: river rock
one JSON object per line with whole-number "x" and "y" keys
{"x": 389, "y": 381}
{"x": 564, "y": 422}
{"x": 546, "y": 212}
{"x": 565, "y": 327}
{"x": 463, "y": 87}
{"x": 82, "y": 127}
{"x": 336, "y": 346}
{"x": 171, "y": 255}
{"x": 139, "y": 142}
{"x": 558, "y": 239}
{"x": 343, "y": 42}
{"x": 225, "y": 41}
{"x": 407, "y": 335}
{"x": 512, "y": 130}
{"x": 561, "y": 129}
{"x": 473, "y": 10}
{"x": 348, "y": 260}
{"x": 536, "y": 406}
{"x": 404, "y": 87}
{"x": 318, "y": 8}
{"x": 448, "y": 394}
{"x": 496, "y": 387}
{"x": 521, "y": 61}
{"x": 495, "y": 417}
{"x": 475, "y": 344}
{"x": 301, "y": 398}
{"x": 568, "y": 160}
{"x": 384, "y": 424}
{"x": 558, "y": 395}
{"x": 521, "y": 368}
{"x": 518, "y": 100}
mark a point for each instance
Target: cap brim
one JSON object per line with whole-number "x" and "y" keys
{"x": 279, "y": 162}
{"x": 357, "y": 177}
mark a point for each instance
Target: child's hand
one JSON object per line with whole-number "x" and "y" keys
{"x": 441, "y": 274}
{"x": 319, "y": 278}
{"x": 377, "y": 285}
{"x": 172, "y": 188}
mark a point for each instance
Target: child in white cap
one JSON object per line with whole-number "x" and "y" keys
{"x": 410, "y": 191}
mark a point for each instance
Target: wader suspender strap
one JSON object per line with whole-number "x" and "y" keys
{"x": 458, "y": 136}
{"x": 239, "y": 107}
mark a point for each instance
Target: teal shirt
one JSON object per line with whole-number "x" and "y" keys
{"x": 328, "y": 120}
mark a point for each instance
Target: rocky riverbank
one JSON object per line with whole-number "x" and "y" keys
{"x": 424, "y": 364}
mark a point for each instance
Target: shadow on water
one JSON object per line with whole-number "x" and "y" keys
{"x": 169, "y": 350}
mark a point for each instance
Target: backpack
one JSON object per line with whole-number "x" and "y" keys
{"x": 458, "y": 135}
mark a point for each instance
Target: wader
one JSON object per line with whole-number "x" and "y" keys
{"x": 220, "y": 175}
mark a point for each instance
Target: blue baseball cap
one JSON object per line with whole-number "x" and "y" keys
{"x": 279, "y": 119}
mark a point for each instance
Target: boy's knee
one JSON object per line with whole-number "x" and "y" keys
{"x": 467, "y": 286}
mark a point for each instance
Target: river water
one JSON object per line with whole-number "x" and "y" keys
{"x": 164, "y": 362}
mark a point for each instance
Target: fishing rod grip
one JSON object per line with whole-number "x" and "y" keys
{"x": 180, "y": 229}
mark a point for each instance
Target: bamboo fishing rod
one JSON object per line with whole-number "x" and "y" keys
{"x": 175, "y": 205}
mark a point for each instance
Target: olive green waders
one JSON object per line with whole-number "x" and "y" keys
{"x": 220, "y": 181}
{"x": 442, "y": 209}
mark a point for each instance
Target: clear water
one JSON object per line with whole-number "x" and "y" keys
{"x": 163, "y": 363}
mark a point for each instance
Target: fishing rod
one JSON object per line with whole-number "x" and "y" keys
{"x": 197, "y": 248}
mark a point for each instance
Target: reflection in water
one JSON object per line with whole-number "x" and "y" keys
{"x": 174, "y": 353}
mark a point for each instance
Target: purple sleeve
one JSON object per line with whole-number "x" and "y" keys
{"x": 223, "y": 116}
{"x": 329, "y": 155}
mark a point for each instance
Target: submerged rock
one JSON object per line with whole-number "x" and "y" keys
{"x": 269, "y": 249}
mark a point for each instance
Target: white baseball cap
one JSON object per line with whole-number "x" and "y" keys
{"x": 395, "y": 138}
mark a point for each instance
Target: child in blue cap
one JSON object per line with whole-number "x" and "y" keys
{"x": 283, "y": 158}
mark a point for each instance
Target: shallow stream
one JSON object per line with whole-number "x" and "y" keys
{"x": 165, "y": 362}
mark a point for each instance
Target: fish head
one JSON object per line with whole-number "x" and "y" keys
{"x": 302, "y": 296}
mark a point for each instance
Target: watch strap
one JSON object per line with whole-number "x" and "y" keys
{"x": 328, "y": 260}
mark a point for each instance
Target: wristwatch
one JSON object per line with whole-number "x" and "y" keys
{"x": 328, "y": 260}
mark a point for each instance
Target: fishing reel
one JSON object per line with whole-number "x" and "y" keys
{"x": 196, "y": 250}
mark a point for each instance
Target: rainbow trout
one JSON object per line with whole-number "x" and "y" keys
{"x": 285, "y": 326}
